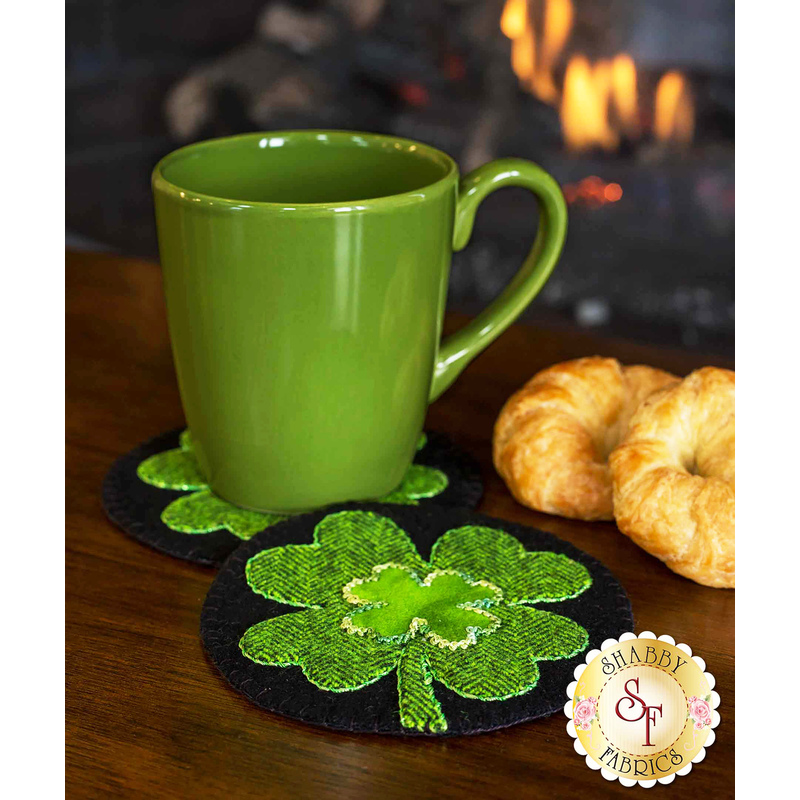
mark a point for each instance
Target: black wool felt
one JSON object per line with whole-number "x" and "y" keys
{"x": 231, "y": 607}
{"x": 136, "y": 506}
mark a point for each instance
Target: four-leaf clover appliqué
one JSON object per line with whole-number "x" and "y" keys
{"x": 203, "y": 512}
{"x": 371, "y": 605}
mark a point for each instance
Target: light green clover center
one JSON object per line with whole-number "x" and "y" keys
{"x": 446, "y": 607}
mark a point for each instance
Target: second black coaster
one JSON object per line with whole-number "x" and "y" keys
{"x": 157, "y": 494}
{"x": 395, "y": 619}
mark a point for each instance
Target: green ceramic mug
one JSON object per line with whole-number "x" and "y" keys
{"x": 306, "y": 275}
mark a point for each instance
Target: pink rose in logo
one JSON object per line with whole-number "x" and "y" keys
{"x": 700, "y": 712}
{"x": 585, "y": 712}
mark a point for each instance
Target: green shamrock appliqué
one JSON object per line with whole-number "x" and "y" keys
{"x": 445, "y": 607}
{"x": 371, "y": 605}
{"x": 204, "y": 512}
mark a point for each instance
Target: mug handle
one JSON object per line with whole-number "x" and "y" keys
{"x": 457, "y": 350}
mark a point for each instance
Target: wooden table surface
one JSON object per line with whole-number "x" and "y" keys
{"x": 149, "y": 716}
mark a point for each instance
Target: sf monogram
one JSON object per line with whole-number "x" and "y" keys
{"x": 653, "y": 722}
{"x": 647, "y": 712}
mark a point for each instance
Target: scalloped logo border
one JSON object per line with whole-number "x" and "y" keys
{"x": 608, "y": 774}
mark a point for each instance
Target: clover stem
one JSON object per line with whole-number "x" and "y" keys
{"x": 419, "y": 707}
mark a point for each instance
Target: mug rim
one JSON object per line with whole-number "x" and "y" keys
{"x": 160, "y": 182}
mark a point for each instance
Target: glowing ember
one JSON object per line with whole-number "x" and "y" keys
{"x": 612, "y": 192}
{"x": 592, "y": 191}
{"x": 415, "y": 94}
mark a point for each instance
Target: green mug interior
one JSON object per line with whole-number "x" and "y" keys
{"x": 305, "y": 167}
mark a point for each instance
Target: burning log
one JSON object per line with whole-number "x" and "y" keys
{"x": 266, "y": 82}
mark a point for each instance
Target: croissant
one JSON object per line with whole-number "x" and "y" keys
{"x": 553, "y": 436}
{"x": 674, "y": 477}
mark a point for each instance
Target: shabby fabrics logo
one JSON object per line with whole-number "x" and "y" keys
{"x": 642, "y": 709}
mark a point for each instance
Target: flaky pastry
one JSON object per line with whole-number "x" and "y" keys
{"x": 674, "y": 477}
{"x": 553, "y": 437}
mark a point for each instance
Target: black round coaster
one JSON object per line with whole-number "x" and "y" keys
{"x": 236, "y": 613}
{"x": 138, "y": 507}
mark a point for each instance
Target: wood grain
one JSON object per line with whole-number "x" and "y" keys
{"x": 149, "y": 716}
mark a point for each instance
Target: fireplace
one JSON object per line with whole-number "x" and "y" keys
{"x": 628, "y": 103}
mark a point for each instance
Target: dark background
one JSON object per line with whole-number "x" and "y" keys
{"x": 654, "y": 265}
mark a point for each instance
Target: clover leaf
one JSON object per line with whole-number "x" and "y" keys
{"x": 174, "y": 469}
{"x": 346, "y": 544}
{"x": 204, "y": 512}
{"x": 418, "y": 482}
{"x": 526, "y": 577}
{"x": 366, "y": 612}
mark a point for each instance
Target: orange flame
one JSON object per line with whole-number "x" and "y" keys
{"x": 523, "y": 56}
{"x": 584, "y": 107}
{"x": 533, "y": 62}
{"x": 674, "y": 116}
{"x": 598, "y": 103}
{"x": 514, "y": 20}
{"x": 558, "y": 16}
{"x": 623, "y": 93}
